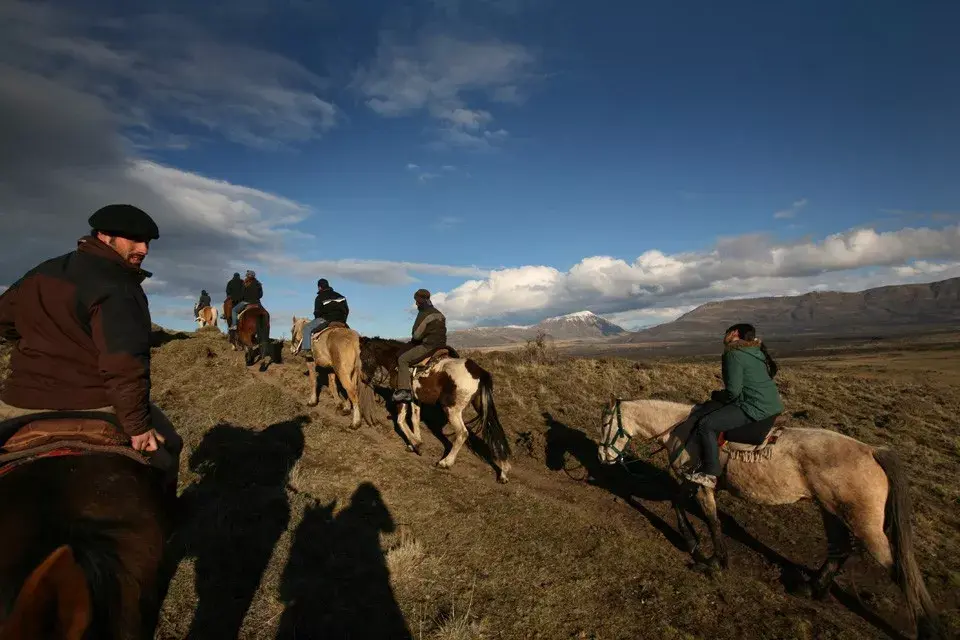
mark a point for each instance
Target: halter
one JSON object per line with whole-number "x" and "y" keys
{"x": 612, "y": 445}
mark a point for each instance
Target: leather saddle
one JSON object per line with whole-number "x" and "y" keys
{"x": 336, "y": 324}
{"x": 34, "y": 435}
{"x": 435, "y": 355}
{"x": 753, "y": 436}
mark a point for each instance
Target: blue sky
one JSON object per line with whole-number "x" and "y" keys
{"x": 520, "y": 158}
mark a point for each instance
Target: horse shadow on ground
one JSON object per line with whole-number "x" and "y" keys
{"x": 232, "y": 517}
{"x": 336, "y": 583}
{"x": 645, "y": 481}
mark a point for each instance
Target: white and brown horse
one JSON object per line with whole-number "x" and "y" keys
{"x": 452, "y": 383}
{"x": 336, "y": 348}
{"x": 207, "y": 317}
{"x": 860, "y": 489}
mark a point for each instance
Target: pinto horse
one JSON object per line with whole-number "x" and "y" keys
{"x": 452, "y": 383}
{"x": 81, "y": 546}
{"x": 252, "y": 335}
{"x": 207, "y": 317}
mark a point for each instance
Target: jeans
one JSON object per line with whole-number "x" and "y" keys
{"x": 237, "y": 308}
{"x": 308, "y": 329}
{"x": 725, "y": 418}
{"x": 404, "y": 362}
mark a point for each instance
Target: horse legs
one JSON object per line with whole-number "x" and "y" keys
{"x": 353, "y": 396}
{"x": 415, "y": 419}
{"x": 334, "y": 391}
{"x": 683, "y": 524}
{"x": 839, "y": 548}
{"x": 708, "y": 503}
{"x": 412, "y": 442}
{"x": 455, "y": 418}
{"x": 312, "y": 373}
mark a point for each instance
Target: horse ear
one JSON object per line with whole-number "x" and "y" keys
{"x": 58, "y": 584}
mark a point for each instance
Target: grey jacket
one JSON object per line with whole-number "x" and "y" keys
{"x": 430, "y": 328}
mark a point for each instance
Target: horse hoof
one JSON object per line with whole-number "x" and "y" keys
{"x": 415, "y": 448}
{"x": 502, "y": 479}
{"x": 442, "y": 465}
{"x": 312, "y": 404}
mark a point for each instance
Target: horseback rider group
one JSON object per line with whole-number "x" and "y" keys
{"x": 88, "y": 306}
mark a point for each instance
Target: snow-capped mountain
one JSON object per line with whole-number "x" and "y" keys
{"x": 582, "y": 325}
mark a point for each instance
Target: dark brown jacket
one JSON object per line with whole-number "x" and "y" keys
{"x": 81, "y": 325}
{"x": 430, "y": 328}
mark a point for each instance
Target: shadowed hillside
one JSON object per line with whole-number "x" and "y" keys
{"x": 302, "y": 527}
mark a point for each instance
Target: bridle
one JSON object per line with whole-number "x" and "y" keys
{"x": 612, "y": 444}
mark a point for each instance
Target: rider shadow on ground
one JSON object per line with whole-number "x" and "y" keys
{"x": 336, "y": 583}
{"x": 648, "y": 482}
{"x": 233, "y": 516}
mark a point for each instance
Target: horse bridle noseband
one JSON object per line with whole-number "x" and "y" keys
{"x": 612, "y": 445}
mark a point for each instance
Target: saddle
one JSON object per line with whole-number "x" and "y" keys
{"x": 434, "y": 356}
{"x": 54, "y": 432}
{"x": 751, "y": 442}
{"x": 336, "y": 324}
{"x": 250, "y": 307}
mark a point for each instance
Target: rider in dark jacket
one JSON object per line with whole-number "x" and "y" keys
{"x": 202, "y": 303}
{"x": 429, "y": 332}
{"x": 235, "y": 288}
{"x": 329, "y": 306}
{"x": 251, "y": 294}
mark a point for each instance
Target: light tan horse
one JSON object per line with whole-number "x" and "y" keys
{"x": 338, "y": 349}
{"x": 860, "y": 490}
{"x": 207, "y": 317}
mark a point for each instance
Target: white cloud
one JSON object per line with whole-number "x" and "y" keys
{"x": 792, "y": 210}
{"x": 735, "y": 267}
{"x": 437, "y": 74}
{"x": 151, "y": 71}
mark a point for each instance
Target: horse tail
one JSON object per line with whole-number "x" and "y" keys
{"x": 487, "y": 418}
{"x": 905, "y": 572}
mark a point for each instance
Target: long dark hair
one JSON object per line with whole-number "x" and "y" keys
{"x": 748, "y": 332}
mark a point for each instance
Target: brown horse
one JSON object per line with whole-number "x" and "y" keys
{"x": 860, "y": 489}
{"x": 451, "y": 382}
{"x": 338, "y": 349}
{"x": 253, "y": 335}
{"x": 207, "y": 317}
{"x": 81, "y": 544}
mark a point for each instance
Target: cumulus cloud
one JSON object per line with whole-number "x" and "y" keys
{"x": 65, "y": 151}
{"x": 734, "y": 267}
{"x": 791, "y": 211}
{"x": 152, "y": 70}
{"x": 437, "y": 74}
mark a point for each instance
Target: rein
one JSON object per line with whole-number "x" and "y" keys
{"x": 622, "y": 432}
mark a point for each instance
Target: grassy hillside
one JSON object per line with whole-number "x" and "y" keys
{"x": 302, "y": 527}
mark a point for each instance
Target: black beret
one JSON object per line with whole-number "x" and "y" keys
{"x": 126, "y": 221}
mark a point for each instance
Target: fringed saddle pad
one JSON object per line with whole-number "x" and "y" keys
{"x": 753, "y": 452}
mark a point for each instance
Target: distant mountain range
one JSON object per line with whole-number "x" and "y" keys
{"x": 896, "y": 309}
{"x": 582, "y": 325}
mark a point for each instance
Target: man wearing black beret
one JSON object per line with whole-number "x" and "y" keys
{"x": 81, "y": 325}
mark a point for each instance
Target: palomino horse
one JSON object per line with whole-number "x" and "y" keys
{"x": 253, "y": 334}
{"x": 337, "y": 348}
{"x": 81, "y": 544}
{"x": 453, "y": 383}
{"x": 207, "y": 317}
{"x": 860, "y": 490}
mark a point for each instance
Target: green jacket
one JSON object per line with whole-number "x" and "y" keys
{"x": 746, "y": 381}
